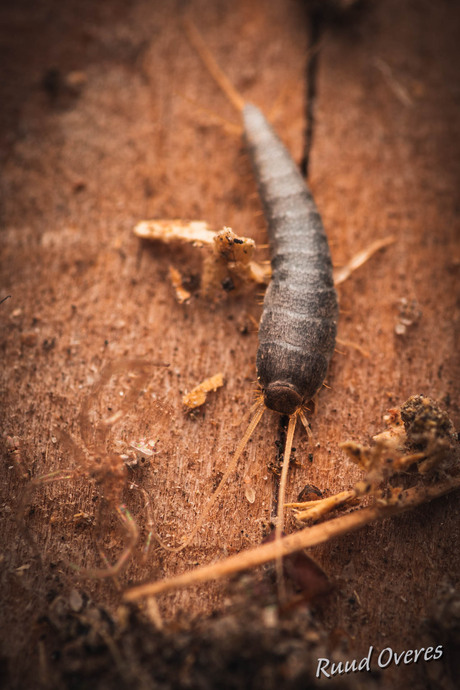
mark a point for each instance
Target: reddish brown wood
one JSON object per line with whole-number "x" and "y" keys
{"x": 82, "y": 165}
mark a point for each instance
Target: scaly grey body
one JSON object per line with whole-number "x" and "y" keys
{"x": 299, "y": 321}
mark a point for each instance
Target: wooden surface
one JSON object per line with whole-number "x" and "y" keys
{"x": 81, "y": 168}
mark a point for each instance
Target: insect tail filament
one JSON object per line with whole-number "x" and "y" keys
{"x": 259, "y": 410}
{"x": 281, "y": 494}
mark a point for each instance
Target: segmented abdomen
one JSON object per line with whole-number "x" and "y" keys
{"x": 299, "y": 320}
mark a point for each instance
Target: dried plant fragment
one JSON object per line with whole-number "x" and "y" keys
{"x": 250, "y": 494}
{"x": 305, "y": 538}
{"x": 409, "y": 315}
{"x": 228, "y": 263}
{"x": 182, "y": 295}
{"x": 341, "y": 274}
{"x": 196, "y": 232}
{"x": 419, "y": 434}
{"x": 381, "y": 460}
{"x": 429, "y": 430}
{"x": 231, "y": 264}
{"x": 198, "y": 395}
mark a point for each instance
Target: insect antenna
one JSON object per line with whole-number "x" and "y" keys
{"x": 259, "y": 410}
{"x": 228, "y": 126}
{"x": 211, "y": 65}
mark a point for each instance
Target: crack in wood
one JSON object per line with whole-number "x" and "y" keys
{"x": 315, "y": 20}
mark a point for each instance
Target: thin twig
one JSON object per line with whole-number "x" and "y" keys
{"x": 308, "y": 537}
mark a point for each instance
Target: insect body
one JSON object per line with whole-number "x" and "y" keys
{"x": 299, "y": 320}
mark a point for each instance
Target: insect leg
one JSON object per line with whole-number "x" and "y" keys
{"x": 304, "y": 421}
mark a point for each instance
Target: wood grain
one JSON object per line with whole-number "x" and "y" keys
{"x": 83, "y": 164}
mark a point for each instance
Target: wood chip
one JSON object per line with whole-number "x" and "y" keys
{"x": 182, "y": 295}
{"x": 197, "y": 396}
{"x": 197, "y": 232}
